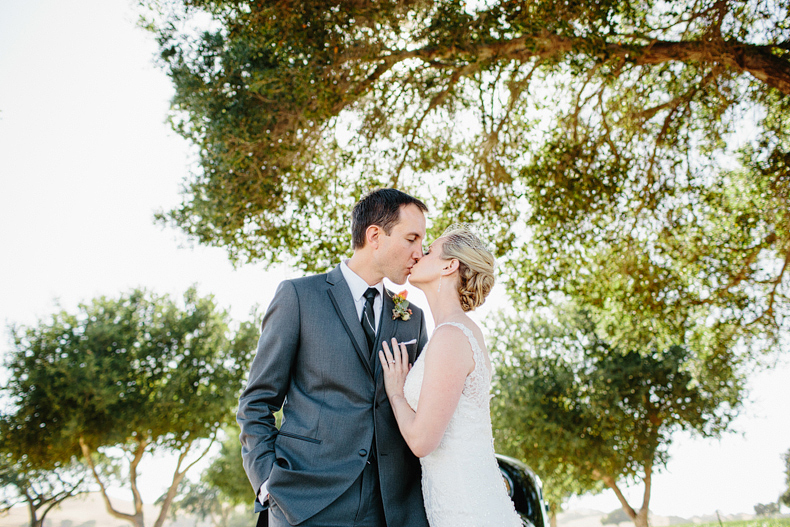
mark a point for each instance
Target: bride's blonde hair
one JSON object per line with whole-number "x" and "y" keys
{"x": 476, "y": 264}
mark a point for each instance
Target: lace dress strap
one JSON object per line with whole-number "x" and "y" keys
{"x": 477, "y": 351}
{"x": 469, "y": 334}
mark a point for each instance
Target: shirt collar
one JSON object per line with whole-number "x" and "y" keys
{"x": 356, "y": 284}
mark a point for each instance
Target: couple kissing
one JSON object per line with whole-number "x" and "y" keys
{"x": 382, "y": 423}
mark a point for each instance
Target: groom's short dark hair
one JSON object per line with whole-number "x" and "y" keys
{"x": 380, "y": 207}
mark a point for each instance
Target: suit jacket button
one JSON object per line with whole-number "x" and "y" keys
{"x": 363, "y": 452}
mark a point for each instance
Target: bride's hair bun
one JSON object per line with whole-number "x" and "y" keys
{"x": 476, "y": 264}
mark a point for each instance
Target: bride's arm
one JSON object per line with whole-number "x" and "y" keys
{"x": 447, "y": 365}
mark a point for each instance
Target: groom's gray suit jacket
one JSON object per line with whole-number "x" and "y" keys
{"x": 313, "y": 361}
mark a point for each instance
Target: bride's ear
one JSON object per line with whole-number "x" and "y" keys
{"x": 451, "y": 267}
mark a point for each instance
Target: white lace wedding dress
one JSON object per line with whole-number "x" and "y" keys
{"x": 461, "y": 482}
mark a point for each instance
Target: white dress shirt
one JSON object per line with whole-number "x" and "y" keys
{"x": 358, "y": 287}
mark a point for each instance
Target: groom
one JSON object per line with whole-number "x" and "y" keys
{"x": 338, "y": 459}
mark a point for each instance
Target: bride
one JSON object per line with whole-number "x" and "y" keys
{"x": 441, "y": 404}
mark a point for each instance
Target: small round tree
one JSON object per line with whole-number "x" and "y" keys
{"x": 140, "y": 373}
{"x": 587, "y": 414}
{"x": 785, "y": 497}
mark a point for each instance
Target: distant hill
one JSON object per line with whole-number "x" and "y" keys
{"x": 580, "y": 518}
{"x": 89, "y": 511}
{"x": 592, "y": 518}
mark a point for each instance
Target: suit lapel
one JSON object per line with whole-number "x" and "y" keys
{"x": 340, "y": 295}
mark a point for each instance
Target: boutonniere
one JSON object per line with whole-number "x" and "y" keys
{"x": 401, "y": 309}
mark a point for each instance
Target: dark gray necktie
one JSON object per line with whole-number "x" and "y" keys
{"x": 368, "y": 319}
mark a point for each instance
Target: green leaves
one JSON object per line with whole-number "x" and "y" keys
{"x": 595, "y": 142}
{"x": 136, "y": 366}
{"x": 39, "y": 489}
{"x": 580, "y": 410}
{"x": 785, "y": 497}
{"x": 226, "y": 472}
{"x": 616, "y": 153}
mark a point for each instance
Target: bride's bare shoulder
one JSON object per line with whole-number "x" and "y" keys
{"x": 448, "y": 330}
{"x": 452, "y": 339}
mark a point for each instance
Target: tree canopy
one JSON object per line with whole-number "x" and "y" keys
{"x": 585, "y": 414}
{"x": 140, "y": 372}
{"x": 631, "y": 155}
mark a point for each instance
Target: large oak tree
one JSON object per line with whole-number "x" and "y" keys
{"x": 632, "y": 155}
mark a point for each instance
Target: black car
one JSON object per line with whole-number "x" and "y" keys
{"x": 526, "y": 491}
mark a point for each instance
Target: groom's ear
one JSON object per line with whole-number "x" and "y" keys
{"x": 372, "y": 234}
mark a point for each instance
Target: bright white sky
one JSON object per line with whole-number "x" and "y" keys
{"x": 86, "y": 158}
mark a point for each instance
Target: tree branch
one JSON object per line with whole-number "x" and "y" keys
{"x": 776, "y": 282}
{"x": 648, "y": 113}
{"x": 364, "y": 86}
{"x": 752, "y": 256}
{"x": 178, "y": 476}
{"x": 648, "y": 479}
{"x": 515, "y": 89}
{"x": 759, "y": 61}
{"x": 755, "y": 60}
{"x": 67, "y": 492}
{"x": 578, "y": 104}
{"x": 138, "y": 456}
{"x": 86, "y": 453}
{"x": 610, "y": 482}
{"x": 436, "y": 101}
{"x": 745, "y": 269}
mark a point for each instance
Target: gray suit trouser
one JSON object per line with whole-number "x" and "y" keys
{"x": 359, "y": 506}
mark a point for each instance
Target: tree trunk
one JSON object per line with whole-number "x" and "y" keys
{"x": 612, "y": 484}
{"x": 171, "y": 494}
{"x": 641, "y": 519}
{"x": 178, "y": 476}
{"x": 224, "y": 515}
{"x": 553, "y": 508}
{"x": 34, "y": 520}
{"x": 135, "y": 519}
{"x": 32, "y": 510}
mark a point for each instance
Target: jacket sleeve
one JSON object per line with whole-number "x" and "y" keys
{"x": 268, "y": 383}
